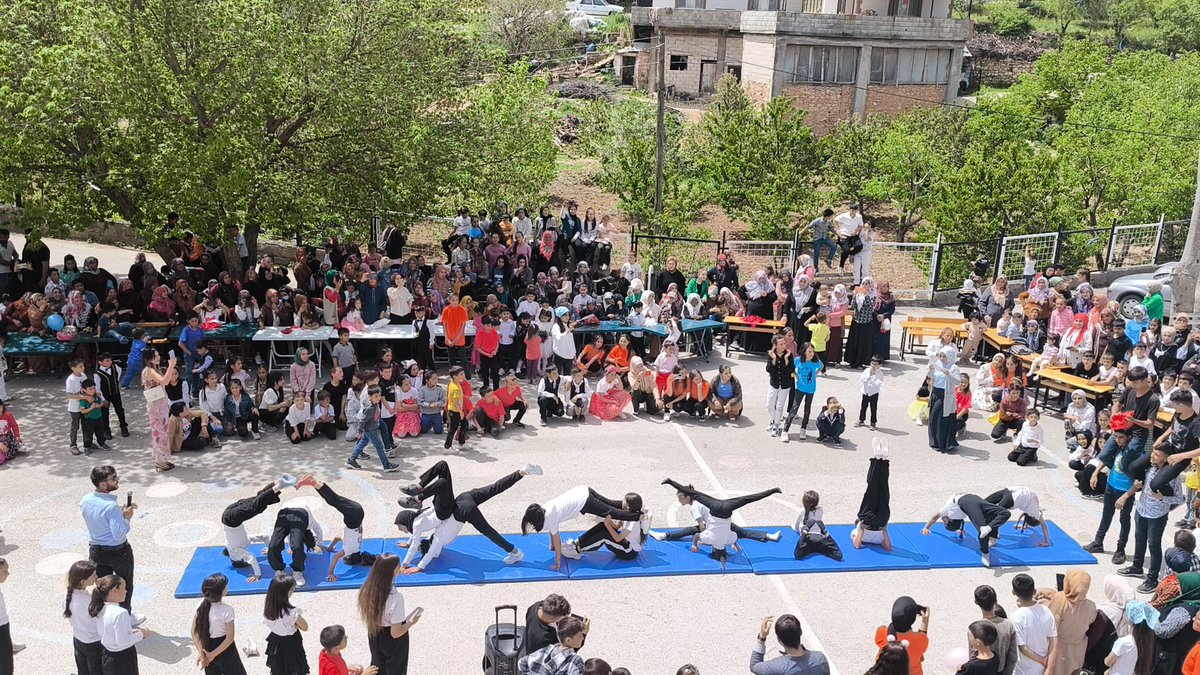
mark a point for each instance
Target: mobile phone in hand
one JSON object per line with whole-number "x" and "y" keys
{"x": 1060, "y": 579}
{"x": 129, "y": 499}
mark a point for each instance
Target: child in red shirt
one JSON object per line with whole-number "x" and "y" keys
{"x": 333, "y": 642}
{"x": 487, "y": 343}
{"x": 489, "y": 413}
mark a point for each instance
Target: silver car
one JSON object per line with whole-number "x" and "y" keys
{"x": 1130, "y": 290}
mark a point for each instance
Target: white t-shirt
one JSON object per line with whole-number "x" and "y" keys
{"x": 351, "y": 540}
{"x": 951, "y": 510}
{"x": 1030, "y": 268}
{"x": 1035, "y": 626}
{"x": 393, "y": 611}
{"x": 848, "y": 224}
{"x": 1127, "y": 655}
{"x": 83, "y": 627}
{"x": 297, "y": 417}
{"x": 3, "y": 610}
{"x": 286, "y": 624}
{"x": 74, "y": 386}
{"x": 634, "y": 528}
{"x": 700, "y": 512}
{"x": 116, "y": 628}
{"x": 567, "y": 506}
{"x": 219, "y": 616}
{"x": 1026, "y": 501}
{"x": 270, "y": 397}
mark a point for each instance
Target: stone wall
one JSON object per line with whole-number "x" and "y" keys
{"x": 893, "y": 99}
{"x": 826, "y": 104}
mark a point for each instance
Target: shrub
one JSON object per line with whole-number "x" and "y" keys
{"x": 1008, "y": 19}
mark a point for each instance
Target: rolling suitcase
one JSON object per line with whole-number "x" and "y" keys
{"x": 502, "y": 643}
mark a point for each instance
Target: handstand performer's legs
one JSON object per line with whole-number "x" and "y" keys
{"x": 875, "y": 509}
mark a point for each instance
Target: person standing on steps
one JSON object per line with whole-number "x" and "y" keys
{"x": 107, "y": 524}
{"x": 823, "y": 233}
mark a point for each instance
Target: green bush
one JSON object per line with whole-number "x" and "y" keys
{"x": 1008, "y": 19}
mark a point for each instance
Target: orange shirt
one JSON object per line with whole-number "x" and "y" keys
{"x": 698, "y": 390}
{"x": 454, "y": 322}
{"x": 619, "y": 356}
{"x": 918, "y": 643}
{"x": 1191, "y": 663}
{"x": 590, "y": 353}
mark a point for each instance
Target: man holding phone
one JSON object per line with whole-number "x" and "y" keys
{"x": 108, "y": 531}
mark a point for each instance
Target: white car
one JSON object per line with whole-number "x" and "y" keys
{"x": 1130, "y": 289}
{"x": 594, "y": 7}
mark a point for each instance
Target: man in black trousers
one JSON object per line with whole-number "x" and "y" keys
{"x": 107, "y": 521}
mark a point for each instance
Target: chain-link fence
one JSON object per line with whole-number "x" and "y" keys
{"x": 761, "y": 255}
{"x": 1170, "y": 244}
{"x": 955, "y": 261}
{"x": 907, "y": 267}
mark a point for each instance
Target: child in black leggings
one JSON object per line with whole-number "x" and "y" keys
{"x": 875, "y": 509}
{"x": 719, "y": 535}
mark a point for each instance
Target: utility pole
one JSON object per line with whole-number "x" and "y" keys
{"x": 660, "y": 134}
{"x": 1183, "y": 277}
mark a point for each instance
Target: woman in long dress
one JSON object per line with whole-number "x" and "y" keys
{"x": 761, "y": 294}
{"x": 942, "y": 400}
{"x": 861, "y": 343}
{"x": 158, "y": 409}
{"x": 1073, "y": 613}
{"x": 885, "y": 307}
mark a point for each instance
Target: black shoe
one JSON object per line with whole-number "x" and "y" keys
{"x": 1118, "y": 558}
{"x": 1148, "y": 586}
{"x": 409, "y": 502}
{"x": 125, "y": 432}
{"x": 353, "y": 464}
{"x": 1094, "y": 547}
{"x": 519, "y": 425}
{"x": 1131, "y": 571}
{"x": 411, "y": 490}
{"x": 75, "y": 450}
{"x": 104, "y": 446}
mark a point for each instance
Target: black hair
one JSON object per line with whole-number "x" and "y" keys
{"x": 102, "y": 473}
{"x": 80, "y": 572}
{"x": 1023, "y": 586}
{"x": 984, "y": 631}
{"x": 985, "y": 598}
{"x": 594, "y": 666}
{"x": 405, "y": 519}
{"x": 827, "y": 212}
{"x": 1138, "y": 373}
{"x": 278, "y": 600}
{"x": 534, "y": 519}
{"x": 788, "y": 631}
{"x": 104, "y": 586}
{"x": 568, "y": 628}
{"x": 213, "y": 590}
{"x": 556, "y": 605}
{"x": 332, "y": 636}
{"x": 1182, "y": 397}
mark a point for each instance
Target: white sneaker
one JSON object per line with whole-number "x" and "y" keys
{"x": 515, "y": 556}
{"x": 803, "y": 433}
{"x": 985, "y": 531}
{"x": 138, "y": 619}
{"x": 299, "y": 577}
{"x": 255, "y": 435}
{"x": 987, "y": 561}
{"x": 531, "y": 470}
{"x": 785, "y": 436}
{"x": 570, "y": 549}
{"x": 774, "y": 536}
{"x": 450, "y": 450}
{"x": 666, "y": 416}
{"x": 774, "y": 432}
{"x": 658, "y": 536}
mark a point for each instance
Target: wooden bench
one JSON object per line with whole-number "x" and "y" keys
{"x": 1062, "y": 381}
{"x": 913, "y": 329}
{"x": 997, "y": 341}
{"x": 1028, "y": 359}
{"x": 737, "y": 324}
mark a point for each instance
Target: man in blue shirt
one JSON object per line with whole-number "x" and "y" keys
{"x": 1118, "y": 454}
{"x": 108, "y": 530}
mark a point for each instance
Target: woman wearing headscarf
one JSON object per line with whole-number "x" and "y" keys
{"x": 77, "y": 312}
{"x": 185, "y": 298}
{"x": 995, "y": 300}
{"x": 546, "y": 254}
{"x": 162, "y": 307}
{"x": 733, "y": 304}
{"x": 839, "y": 305}
{"x": 968, "y": 299}
{"x": 783, "y": 295}
{"x": 942, "y": 400}
{"x": 885, "y": 307}
{"x": 760, "y": 292}
{"x": 905, "y": 612}
{"x": 1084, "y": 299}
{"x": 1039, "y": 295}
{"x": 804, "y": 305}
{"x": 1077, "y": 341}
{"x": 1178, "y": 600}
{"x": 694, "y": 308}
{"x": 1119, "y": 592}
{"x": 1079, "y": 415}
{"x": 861, "y": 343}
{"x": 1073, "y": 614}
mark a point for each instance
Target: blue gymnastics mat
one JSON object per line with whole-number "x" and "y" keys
{"x": 657, "y": 559}
{"x": 944, "y": 549}
{"x": 777, "y": 558}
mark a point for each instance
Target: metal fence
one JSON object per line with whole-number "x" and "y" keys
{"x": 1134, "y": 245}
{"x": 907, "y": 267}
{"x": 1015, "y": 251}
{"x": 760, "y": 255}
{"x": 955, "y": 261}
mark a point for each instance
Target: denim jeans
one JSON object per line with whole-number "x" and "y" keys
{"x": 1149, "y": 529}
{"x": 1106, "y": 515}
{"x": 374, "y": 439}
{"x": 818, "y": 245}
{"x": 431, "y": 422}
{"x": 134, "y": 367}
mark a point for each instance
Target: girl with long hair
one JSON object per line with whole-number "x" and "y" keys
{"x": 85, "y": 636}
{"x": 285, "y": 643}
{"x": 212, "y": 630}
{"x": 806, "y": 366}
{"x": 381, "y": 607}
{"x": 118, "y": 637}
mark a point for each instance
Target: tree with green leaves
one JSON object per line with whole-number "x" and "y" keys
{"x": 1063, "y": 12}
{"x": 851, "y": 157}
{"x": 269, "y": 116}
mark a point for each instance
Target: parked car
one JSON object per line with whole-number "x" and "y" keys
{"x": 594, "y": 7}
{"x": 1130, "y": 290}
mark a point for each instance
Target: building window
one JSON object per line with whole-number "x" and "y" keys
{"x": 689, "y": 4}
{"x": 678, "y": 62}
{"x": 765, "y": 5}
{"x": 910, "y": 66}
{"x": 823, "y": 65}
{"x": 904, "y": 7}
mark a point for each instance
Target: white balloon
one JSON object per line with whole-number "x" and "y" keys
{"x": 956, "y": 657}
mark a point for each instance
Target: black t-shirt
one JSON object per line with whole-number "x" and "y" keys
{"x": 537, "y": 634}
{"x": 1185, "y": 435}
{"x": 337, "y": 394}
{"x": 1143, "y": 407}
{"x": 1082, "y": 371}
{"x": 977, "y": 666}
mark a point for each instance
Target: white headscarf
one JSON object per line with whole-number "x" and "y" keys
{"x": 801, "y": 291}
{"x": 760, "y": 286}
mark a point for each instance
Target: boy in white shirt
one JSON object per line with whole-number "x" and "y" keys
{"x": 1036, "y": 630}
{"x": 1027, "y": 440}
{"x": 870, "y": 382}
{"x": 74, "y": 388}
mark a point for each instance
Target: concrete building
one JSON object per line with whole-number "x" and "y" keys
{"x": 836, "y": 58}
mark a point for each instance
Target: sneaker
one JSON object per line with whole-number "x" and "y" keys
{"x": 450, "y": 451}
{"x": 859, "y": 423}
{"x": 531, "y": 470}
{"x": 1148, "y": 586}
{"x": 519, "y": 425}
{"x": 837, "y": 442}
{"x": 774, "y": 536}
{"x": 987, "y": 560}
{"x": 125, "y": 432}
{"x": 299, "y": 577}
{"x": 1094, "y": 547}
{"x": 821, "y": 438}
{"x": 985, "y": 531}
{"x": 658, "y": 536}
{"x": 774, "y": 432}
{"x": 104, "y": 446}
{"x": 785, "y": 436}
{"x": 353, "y": 464}
{"x": 666, "y": 417}
{"x": 255, "y": 435}
{"x": 409, "y": 503}
{"x": 411, "y": 490}
{"x": 391, "y": 468}
{"x": 285, "y": 481}
{"x": 75, "y": 450}
{"x": 1185, "y": 523}
{"x": 137, "y": 620}
{"x": 872, "y": 427}
{"x": 803, "y": 433}
{"x": 1118, "y": 558}
{"x": 1131, "y": 571}
{"x": 570, "y": 549}
{"x": 514, "y": 556}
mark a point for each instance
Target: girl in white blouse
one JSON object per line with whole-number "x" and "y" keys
{"x": 212, "y": 630}
{"x": 381, "y": 607}
{"x": 285, "y": 644}
{"x": 83, "y": 627}
{"x": 118, "y": 637}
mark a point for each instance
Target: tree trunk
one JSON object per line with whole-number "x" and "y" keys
{"x": 1183, "y": 278}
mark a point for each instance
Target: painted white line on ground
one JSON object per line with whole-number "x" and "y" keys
{"x": 788, "y": 601}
